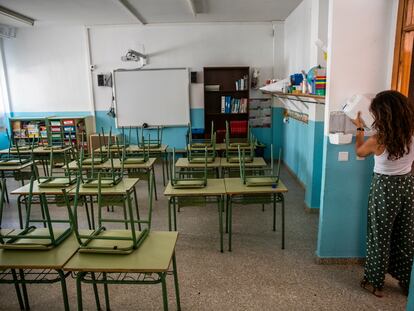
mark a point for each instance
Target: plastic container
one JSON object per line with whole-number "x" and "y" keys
{"x": 359, "y": 103}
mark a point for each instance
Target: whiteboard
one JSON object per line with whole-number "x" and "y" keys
{"x": 152, "y": 96}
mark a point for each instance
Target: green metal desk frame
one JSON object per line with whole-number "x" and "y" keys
{"x": 214, "y": 190}
{"x": 253, "y": 195}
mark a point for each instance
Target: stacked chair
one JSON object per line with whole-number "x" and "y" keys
{"x": 197, "y": 149}
{"x": 31, "y": 236}
{"x": 232, "y": 146}
{"x": 189, "y": 178}
{"x": 113, "y": 241}
{"x": 150, "y": 141}
{"x": 260, "y": 177}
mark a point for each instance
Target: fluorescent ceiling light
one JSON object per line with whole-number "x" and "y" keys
{"x": 17, "y": 16}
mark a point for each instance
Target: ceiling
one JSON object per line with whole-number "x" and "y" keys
{"x": 107, "y": 12}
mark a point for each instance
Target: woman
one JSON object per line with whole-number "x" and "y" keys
{"x": 390, "y": 236}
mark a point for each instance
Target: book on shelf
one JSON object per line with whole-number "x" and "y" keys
{"x": 233, "y": 105}
{"x": 242, "y": 84}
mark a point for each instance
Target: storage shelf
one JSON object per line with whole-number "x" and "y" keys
{"x": 227, "y": 91}
{"x": 306, "y": 98}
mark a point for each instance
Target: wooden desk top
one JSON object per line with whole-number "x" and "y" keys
{"x": 136, "y": 148}
{"x": 133, "y": 148}
{"x": 154, "y": 255}
{"x": 214, "y": 187}
{"x": 37, "y": 190}
{"x": 183, "y": 163}
{"x": 15, "y": 167}
{"x": 125, "y": 185}
{"x": 37, "y": 150}
{"x": 235, "y": 187}
{"x": 117, "y": 165}
{"x": 257, "y": 162}
{"x": 43, "y": 259}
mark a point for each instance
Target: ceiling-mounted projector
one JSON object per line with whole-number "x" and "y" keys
{"x": 135, "y": 56}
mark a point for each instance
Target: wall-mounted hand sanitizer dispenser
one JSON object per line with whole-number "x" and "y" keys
{"x": 360, "y": 103}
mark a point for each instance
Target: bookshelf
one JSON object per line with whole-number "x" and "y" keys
{"x": 55, "y": 130}
{"x": 219, "y": 82}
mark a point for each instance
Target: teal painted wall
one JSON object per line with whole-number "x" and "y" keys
{"x": 302, "y": 153}
{"x": 344, "y": 200}
{"x": 197, "y": 117}
{"x": 410, "y": 304}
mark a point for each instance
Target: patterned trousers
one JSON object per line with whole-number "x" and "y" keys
{"x": 390, "y": 236}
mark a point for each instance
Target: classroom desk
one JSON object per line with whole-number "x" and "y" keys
{"x": 37, "y": 150}
{"x": 44, "y": 261}
{"x": 162, "y": 150}
{"x": 15, "y": 169}
{"x": 147, "y": 167}
{"x": 39, "y": 153}
{"x": 148, "y": 264}
{"x": 215, "y": 188}
{"x": 24, "y": 191}
{"x": 124, "y": 188}
{"x": 258, "y": 162}
{"x": 185, "y": 164}
{"x": 241, "y": 194}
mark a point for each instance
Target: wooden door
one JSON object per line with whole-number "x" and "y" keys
{"x": 403, "y": 51}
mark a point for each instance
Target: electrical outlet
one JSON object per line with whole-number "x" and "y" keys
{"x": 343, "y": 156}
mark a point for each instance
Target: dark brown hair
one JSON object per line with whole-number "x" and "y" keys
{"x": 394, "y": 122}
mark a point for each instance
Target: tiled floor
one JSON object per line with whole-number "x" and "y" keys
{"x": 256, "y": 275}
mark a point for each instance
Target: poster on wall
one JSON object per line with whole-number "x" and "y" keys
{"x": 260, "y": 113}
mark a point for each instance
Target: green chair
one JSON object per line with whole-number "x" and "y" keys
{"x": 235, "y": 142}
{"x": 32, "y": 237}
{"x": 108, "y": 179}
{"x": 232, "y": 155}
{"x": 102, "y": 156}
{"x": 134, "y": 157}
{"x": 153, "y": 143}
{"x": 201, "y": 143}
{"x": 14, "y": 157}
{"x": 112, "y": 241}
{"x": 198, "y": 154}
{"x": 61, "y": 180}
{"x": 260, "y": 177}
{"x": 188, "y": 178}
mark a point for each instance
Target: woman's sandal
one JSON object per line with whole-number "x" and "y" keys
{"x": 373, "y": 290}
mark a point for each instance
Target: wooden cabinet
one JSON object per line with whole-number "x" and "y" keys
{"x": 222, "y": 82}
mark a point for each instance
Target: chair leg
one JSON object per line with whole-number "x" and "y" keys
{"x": 95, "y": 291}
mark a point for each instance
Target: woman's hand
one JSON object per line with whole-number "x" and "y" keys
{"x": 358, "y": 122}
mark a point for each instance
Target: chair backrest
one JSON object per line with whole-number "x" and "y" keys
{"x": 272, "y": 172}
{"x": 154, "y": 142}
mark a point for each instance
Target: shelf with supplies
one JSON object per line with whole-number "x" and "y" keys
{"x": 306, "y": 98}
{"x": 51, "y": 130}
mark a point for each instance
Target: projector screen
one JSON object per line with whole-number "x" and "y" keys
{"x": 152, "y": 96}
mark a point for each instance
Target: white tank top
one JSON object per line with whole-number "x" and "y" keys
{"x": 401, "y": 166}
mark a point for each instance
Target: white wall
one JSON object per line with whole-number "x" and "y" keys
{"x": 179, "y": 45}
{"x": 298, "y": 28}
{"x": 365, "y": 65}
{"x": 46, "y": 69}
